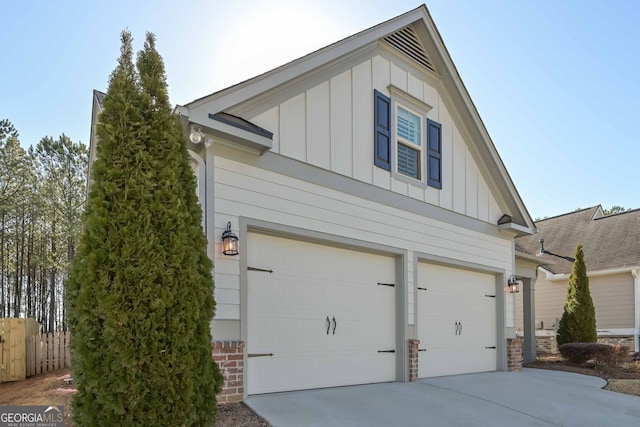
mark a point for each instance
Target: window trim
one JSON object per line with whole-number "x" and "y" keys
{"x": 400, "y": 97}
{"x": 411, "y": 145}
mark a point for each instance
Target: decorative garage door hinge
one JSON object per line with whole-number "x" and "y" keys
{"x": 489, "y": 296}
{"x": 488, "y": 348}
{"x": 259, "y": 354}
{"x": 386, "y": 351}
{"x": 259, "y": 269}
{"x": 422, "y": 349}
{"x": 422, "y": 289}
{"x": 387, "y": 284}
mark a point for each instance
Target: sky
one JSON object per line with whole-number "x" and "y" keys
{"x": 555, "y": 82}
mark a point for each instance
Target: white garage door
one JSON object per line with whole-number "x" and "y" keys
{"x": 323, "y": 317}
{"x": 456, "y": 321}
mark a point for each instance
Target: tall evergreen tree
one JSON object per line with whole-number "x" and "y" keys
{"x": 16, "y": 173}
{"x": 141, "y": 290}
{"x": 578, "y": 322}
{"x": 62, "y": 166}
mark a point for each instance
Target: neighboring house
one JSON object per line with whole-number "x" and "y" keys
{"x": 611, "y": 246}
{"x": 376, "y": 221}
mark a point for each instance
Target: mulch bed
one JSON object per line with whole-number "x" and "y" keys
{"x": 624, "y": 378}
{"x": 630, "y": 370}
{"x": 238, "y": 415}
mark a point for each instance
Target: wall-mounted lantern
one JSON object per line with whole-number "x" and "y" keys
{"x": 229, "y": 241}
{"x": 513, "y": 284}
{"x": 196, "y": 136}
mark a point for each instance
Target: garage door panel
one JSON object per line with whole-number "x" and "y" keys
{"x": 440, "y": 331}
{"x": 456, "y": 321}
{"x": 288, "y": 310}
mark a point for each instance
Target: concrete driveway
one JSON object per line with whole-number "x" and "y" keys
{"x": 532, "y": 397}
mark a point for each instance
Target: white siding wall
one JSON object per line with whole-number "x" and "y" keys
{"x": 330, "y": 125}
{"x": 243, "y": 190}
{"x": 509, "y": 302}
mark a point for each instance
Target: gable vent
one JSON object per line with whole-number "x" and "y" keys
{"x": 406, "y": 41}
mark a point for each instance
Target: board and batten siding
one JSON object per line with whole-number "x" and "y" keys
{"x": 248, "y": 191}
{"x": 612, "y": 297}
{"x": 330, "y": 125}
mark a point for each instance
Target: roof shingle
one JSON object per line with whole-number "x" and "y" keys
{"x": 608, "y": 242}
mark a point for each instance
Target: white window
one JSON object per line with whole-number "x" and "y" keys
{"x": 409, "y": 156}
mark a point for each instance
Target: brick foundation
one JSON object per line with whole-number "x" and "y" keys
{"x": 230, "y": 358}
{"x": 546, "y": 345}
{"x": 625, "y": 340}
{"x": 413, "y": 359}
{"x": 514, "y": 354}
{"x": 549, "y": 345}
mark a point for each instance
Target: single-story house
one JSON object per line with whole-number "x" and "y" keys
{"x": 611, "y": 246}
{"x": 376, "y": 222}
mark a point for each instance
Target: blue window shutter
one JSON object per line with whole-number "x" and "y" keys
{"x": 434, "y": 154}
{"x": 382, "y": 131}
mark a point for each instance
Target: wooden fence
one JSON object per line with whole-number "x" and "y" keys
{"x": 24, "y": 353}
{"x": 48, "y": 352}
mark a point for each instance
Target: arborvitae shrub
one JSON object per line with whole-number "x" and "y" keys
{"x": 578, "y": 322}
{"x": 141, "y": 290}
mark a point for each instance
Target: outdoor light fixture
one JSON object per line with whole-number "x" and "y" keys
{"x": 196, "y": 136}
{"x": 229, "y": 241}
{"x": 513, "y": 284}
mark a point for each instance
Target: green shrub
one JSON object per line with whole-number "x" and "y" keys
{"x": 612, "y": 354}
{"x": 141, "y": 291}
{"x": 581, "y": 352}
{"x": 578, "y": 322}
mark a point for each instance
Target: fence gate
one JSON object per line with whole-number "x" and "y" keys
{"x": 12, "y": 349}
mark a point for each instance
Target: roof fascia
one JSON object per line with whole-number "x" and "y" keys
{"x": 530, "y": 258}
{"x": 221, "y": 132}
{"x": 518, "y": 229}
{"x": 552, "y": 277}
{"x": 490, "y": 156}
{"x": 227, "y": 132}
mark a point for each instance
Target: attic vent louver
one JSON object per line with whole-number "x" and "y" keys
{"x": 406, "y": 41}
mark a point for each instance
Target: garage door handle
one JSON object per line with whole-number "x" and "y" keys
{"x": 334, "y": 325}
{"x": 328, "y": 325}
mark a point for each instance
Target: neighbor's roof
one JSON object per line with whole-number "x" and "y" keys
{"x": 608, "y": 242}
{"x": 99, "y": 96}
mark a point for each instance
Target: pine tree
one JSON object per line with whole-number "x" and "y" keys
{"x": 578, "y": 322}
{"x": 141, "y": 291}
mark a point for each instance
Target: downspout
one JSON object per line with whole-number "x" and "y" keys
{"x": 636, "y": 297}
{"x": 209, "y": 209}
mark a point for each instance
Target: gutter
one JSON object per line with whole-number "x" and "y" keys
{"x": 636, "y": 296}
{"x": 549, "y": 276}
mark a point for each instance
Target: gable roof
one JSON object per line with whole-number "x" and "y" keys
{"x": 415, "y": 36}
{"x": 608, "y": 242}
{"x": 96, "y": 109}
